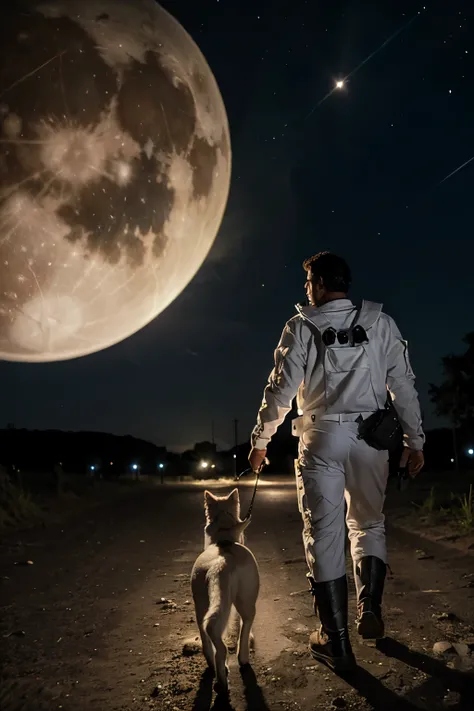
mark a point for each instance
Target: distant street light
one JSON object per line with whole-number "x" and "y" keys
{"x": 470, "y": 452}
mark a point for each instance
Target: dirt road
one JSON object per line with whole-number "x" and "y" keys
{"x": 99, "y": 621}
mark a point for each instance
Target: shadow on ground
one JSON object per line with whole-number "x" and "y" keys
{"x": 254, "y": 696}
{"x": 443, "y": 681}
{"x": 376, "y": 693}
{"x": 445, "y": 687}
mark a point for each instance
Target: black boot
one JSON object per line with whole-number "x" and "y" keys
{"x": 370, "y": 578}
{"x": 331, "y": 644}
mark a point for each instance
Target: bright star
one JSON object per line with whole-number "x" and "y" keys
{"x": 339, "y": 84}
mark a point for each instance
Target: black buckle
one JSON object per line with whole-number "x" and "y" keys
{"x": 356, "y": 335}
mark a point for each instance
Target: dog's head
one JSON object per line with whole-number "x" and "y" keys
{"x": 223, "y": 522}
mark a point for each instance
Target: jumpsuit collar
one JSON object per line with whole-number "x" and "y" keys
{"x": 336, "y": 305}
{"x": 330, "y": 307}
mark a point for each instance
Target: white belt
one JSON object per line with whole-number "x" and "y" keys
{"x": 353, "y": 417}
{"x": 309, "y": 419}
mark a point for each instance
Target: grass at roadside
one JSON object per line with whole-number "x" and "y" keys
{"x": 16, "y": 505}
{"x": 438, "y": 506}
{"x": 455, "y": 509}
{"x": 38, "y": 499}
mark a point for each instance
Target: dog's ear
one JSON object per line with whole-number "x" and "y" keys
{"x": 209, "y": 499}
{"x": 234, "y": 494}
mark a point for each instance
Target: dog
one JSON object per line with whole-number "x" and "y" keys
{"x": 225, "y": 576}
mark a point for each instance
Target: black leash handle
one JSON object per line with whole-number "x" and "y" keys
{"x": 403, "y": 477}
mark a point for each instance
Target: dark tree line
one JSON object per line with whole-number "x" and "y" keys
{"x": 77, "y": 452}
{"x": 453, "y": 398}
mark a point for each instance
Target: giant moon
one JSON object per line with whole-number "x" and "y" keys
{"x": 114, "y": 172}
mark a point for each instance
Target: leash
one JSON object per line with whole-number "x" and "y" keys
{"x": 257, "y": 473}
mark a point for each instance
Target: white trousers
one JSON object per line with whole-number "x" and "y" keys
{"x": 334, "y": 466}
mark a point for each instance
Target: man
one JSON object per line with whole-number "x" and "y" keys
{"x": 340, "y": 361}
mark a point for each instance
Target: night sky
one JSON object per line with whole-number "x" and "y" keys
{"x": 359, "y": 172}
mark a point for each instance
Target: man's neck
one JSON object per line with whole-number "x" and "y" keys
{"x": 333, "y": 296}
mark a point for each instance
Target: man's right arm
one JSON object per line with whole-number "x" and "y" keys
{"x": 401, "y": 383}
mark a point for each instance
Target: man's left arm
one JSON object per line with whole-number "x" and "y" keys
{"x": 283, "y": 384}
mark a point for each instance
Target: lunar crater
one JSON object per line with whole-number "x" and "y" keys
{"x": 74, "y": 154}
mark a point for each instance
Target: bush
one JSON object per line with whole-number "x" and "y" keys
{"x": 16, "y": 505}
{"x": 466, "y": 511}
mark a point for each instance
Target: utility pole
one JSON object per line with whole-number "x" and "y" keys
{"x": 455, "y": 447}
{"x": 236, "y": 444}
{"x": 455, "y": 419}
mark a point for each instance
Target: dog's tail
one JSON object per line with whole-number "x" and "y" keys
{"x": 217, "y": 617}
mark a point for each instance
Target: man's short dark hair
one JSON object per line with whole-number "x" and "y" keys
{"x": 333, "y": 270}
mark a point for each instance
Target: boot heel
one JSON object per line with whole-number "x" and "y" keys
{"x": 337, "y": 664}
{"x": 370, "y": 578}
{"x": 369, "y": 626}
{"x": 331, "y": 644}
{"x": 344, "y": 665}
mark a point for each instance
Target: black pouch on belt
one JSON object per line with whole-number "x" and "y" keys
{"x": 382, "y": 429}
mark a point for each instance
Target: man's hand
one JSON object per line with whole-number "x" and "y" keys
{"x": 415, "y": 460}
{"x": 257, "y": 458}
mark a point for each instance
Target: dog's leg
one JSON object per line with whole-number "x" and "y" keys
{"x": 222, "y": 669}
{"x": 246, "y": 610}
{"x": 233, "y": 630}
{"x": 207, "y": 648}
{"x": 215, "y": 623}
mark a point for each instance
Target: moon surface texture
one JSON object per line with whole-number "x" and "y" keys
{"x": 115, "y": 166}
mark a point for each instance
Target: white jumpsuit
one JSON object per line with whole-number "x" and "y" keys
{"x": 333, "y": 464}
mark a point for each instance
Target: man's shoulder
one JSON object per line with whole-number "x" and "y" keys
{"x": 298, "y": 326}
{"x": 377, "y": 319}
{"x": 385, "y": 326}
{"x": 295, "y": 321}
{"x": 386, "y": 319}
{"x": 375, "y": 307}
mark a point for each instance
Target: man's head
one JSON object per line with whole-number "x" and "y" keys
{"x": 328, "y": 278}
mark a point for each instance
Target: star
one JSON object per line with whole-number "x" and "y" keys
{"x": 340, "y": 84}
